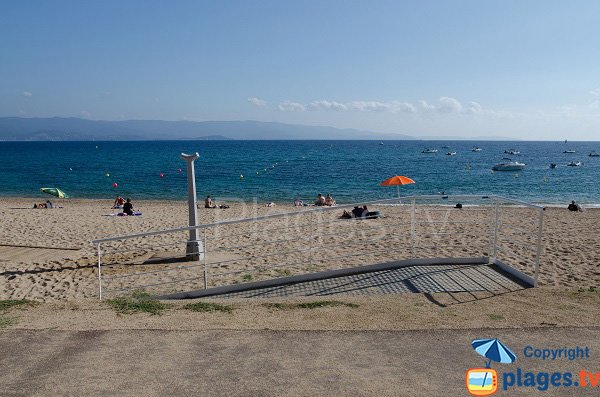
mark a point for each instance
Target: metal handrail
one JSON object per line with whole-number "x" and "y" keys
{"x": 496, "y": 239}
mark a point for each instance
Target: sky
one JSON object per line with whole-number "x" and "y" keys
{"x": 520, "y": 69}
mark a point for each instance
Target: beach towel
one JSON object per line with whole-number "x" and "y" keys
{"x": 136, "y": 213}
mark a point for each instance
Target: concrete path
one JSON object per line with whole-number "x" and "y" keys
{"x": 274, "y": 363}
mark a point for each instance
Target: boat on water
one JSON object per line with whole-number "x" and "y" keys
{"x": 512, "y": 151}
{"x": 569, "y": 151}
{"x": 381, "y": 142}
{"x": 476, "y": 149}
{"x": 451, "y": 154}
{"x": 510, "y": 166}
{"x": 575, "y": 164}
{"x": 429, "y": 150}
{"x": 594, "y": 154}
{"x": 553, "y": 165}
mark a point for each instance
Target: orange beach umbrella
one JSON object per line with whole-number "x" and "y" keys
{"x": 397, "y": 180}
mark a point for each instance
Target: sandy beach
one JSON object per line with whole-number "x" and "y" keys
{"x": 48, "y": 255}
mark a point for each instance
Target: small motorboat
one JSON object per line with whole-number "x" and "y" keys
{"x": 594, "y": 154}
{"x": 429, "y": 150}
{"x": 451, "y": 154}
{"x": 511, "y": 166}
{"x": 569, "y": 151}
{"x": 575, "y": 164}
{"x": 476, "y": 149}
{"x": 512, "y": 151}
{"x": 553, "y": 165}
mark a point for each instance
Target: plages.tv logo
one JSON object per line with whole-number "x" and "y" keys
{"x": 484, "y": 381}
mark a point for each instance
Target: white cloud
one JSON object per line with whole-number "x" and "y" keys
{"x": 473, "y": 108}
{"x": 595, "y": 105}
{"x": 445, "y": 105}
{"x": 257, "y": 102}
{"x": 449, "y": 105}
{"x": 27, "y": 93}
{"x": 595, "y": 92}
{"x": 326, "y": 105}
{"x": 288, "y": 106}
{"x": 404, "y": 107}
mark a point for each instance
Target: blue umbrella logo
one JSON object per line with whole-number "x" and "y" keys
{"x": 493, "y": 350}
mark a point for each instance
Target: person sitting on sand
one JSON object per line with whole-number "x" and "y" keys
{"x": 329, "y": 201}
{"x": 49, "y": 204}
{"x": 298, "y": 203}
{"x": 346, "y": 215}
{"x": 208, "y": 203}
{"x": 39, "y": 206}
{"x": 574, "y": 207}
{"x": 119, "y": 202}
{"x": 320, "y": 200}
{"x": 128, "y": 207}
{"x": 271, "y": 204}
{"x": 357, "y": 212}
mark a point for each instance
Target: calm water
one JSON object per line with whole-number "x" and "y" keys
{"x": 282, "y": 170}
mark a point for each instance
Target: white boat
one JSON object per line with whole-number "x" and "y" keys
{"x": 569, "y": 151}
{"x": 575, "y": 164}
{"x": 512, "y": 151}
{"x": 451, "y": 154}
{"x": 594, "y": 154}
{"x": 381, "y": 142}
{"x": 512, "y": 166}
{"x": 476, "y": 149}
{"x": 429, "y": 150}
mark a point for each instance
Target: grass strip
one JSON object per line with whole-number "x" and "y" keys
{"x": 137, "y": 302}
{"x": 7, "y": 321}
{"x": 9, "y": 304}
{"x": 208, "y": 307}
{"x": 308, "y": 305}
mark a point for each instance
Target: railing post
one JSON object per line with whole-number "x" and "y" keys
{"x": 413, "y": 230}
{"x": 204, "y": 259}
{"x": 496, "y": 229}
{"x": 99, "y": 272}
{"x": 310, "y": 245}
{"x": 539, "y": 247}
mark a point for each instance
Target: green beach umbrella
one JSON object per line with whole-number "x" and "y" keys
{"x": 55, "y": 192}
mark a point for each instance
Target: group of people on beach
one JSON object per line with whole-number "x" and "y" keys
{"x": 125, "y": 204}
{"x": 47, "y": 204}
{"x": 359, "y": 212}
{"x": 209, "y": 203}
{"x": 324, "y": 201}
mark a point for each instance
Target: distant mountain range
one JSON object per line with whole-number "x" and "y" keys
{"x": 76, "y": 129}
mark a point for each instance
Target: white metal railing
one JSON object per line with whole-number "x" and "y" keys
{"x": 311, "y": 239}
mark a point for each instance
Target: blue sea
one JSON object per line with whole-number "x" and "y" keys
{"x": 282, "y": 170}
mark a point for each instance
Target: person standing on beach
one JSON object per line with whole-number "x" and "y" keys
{"x": 128, "y": 207}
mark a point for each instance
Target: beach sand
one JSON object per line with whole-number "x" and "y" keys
{"x": 47, "y": 254}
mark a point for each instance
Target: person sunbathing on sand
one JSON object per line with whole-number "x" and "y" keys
{"x": 320, "y": 200}
{"x": 329, "y": 201}
{"x": 574, "y": 207}
{"x": 209, "y": 203}
{"x": 128, "y": 207}
{"x": 119, "y": 202}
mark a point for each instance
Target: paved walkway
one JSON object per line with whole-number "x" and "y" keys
{"x": 425, "y": 279}
{"x": 273, "y": 363}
